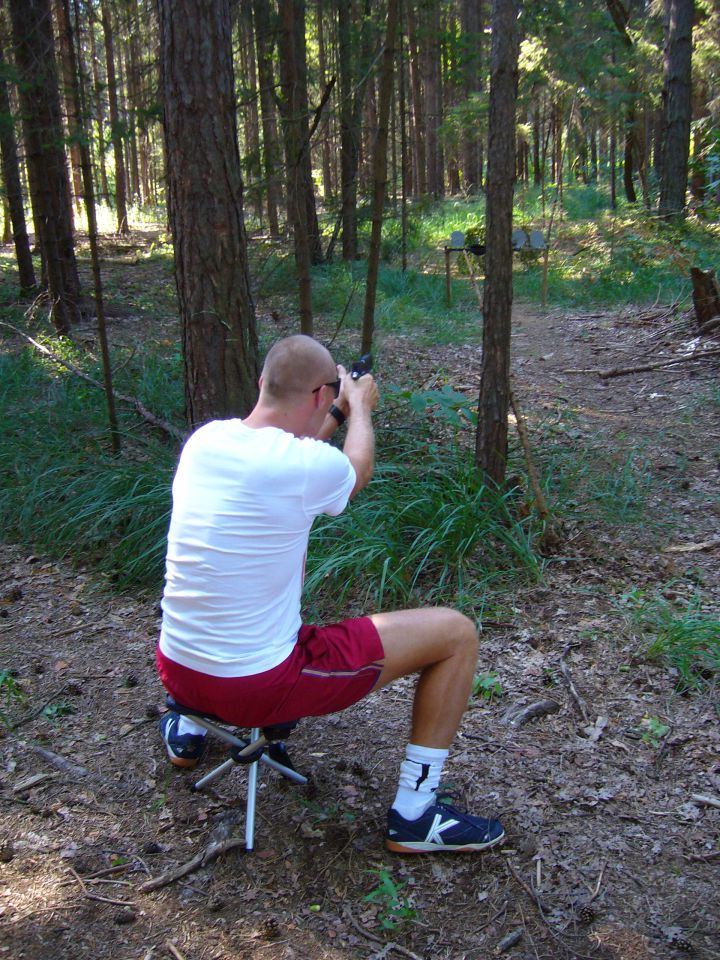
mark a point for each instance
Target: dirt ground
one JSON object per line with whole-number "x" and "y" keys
{"x": 613, "y": 832}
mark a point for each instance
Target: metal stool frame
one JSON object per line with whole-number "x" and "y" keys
{"x": 246, "y": 752}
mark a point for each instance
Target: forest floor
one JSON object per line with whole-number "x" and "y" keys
{"x": 610, "y": 804}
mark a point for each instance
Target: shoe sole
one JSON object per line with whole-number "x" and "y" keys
{"x": 422, "y": 846}
{"x": 180, "y": 761}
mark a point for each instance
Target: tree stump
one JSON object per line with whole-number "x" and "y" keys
{"x": 706, "y": 299}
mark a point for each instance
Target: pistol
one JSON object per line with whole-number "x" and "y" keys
{"x": 361, "y": 366}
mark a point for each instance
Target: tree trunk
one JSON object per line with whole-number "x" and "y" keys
{"x": 76, "y": 95}
{"x": 421, "y": 184}
{"x": 99, "y": 111}
{"x": 432, "y": 84}
{"x": 380, "y": 175}
{"x": 206, "y": 210}
{"x": 47, "y": 170}
{"x": 116, "y": 135}
{"x": 353, "y": 85}
{"x": 325, "y": 144}
{"x": 291, "y": 109}
{"x": 494, "y": 401}
{"x": 264, "y": 42}
{"x": 679, "y": 16}
{"x": 471, "y": 52}
{"x": 13, "y": 189}
{"x": 65, "y": 60}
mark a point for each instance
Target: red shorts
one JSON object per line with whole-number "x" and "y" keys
{"x": 330, "y": 669}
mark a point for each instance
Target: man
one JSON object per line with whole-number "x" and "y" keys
{"x": 244, "y": 498}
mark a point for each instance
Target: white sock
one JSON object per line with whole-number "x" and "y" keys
{"x": 420, "y": 774}
{"x": 187, "y": 726}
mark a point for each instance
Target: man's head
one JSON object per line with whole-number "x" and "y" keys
{"x": 295, "y": 368}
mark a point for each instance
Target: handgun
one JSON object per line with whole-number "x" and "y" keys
{"x": 361, "y": 366}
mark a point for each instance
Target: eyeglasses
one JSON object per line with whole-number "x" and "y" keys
{"x": 335, "y": 384}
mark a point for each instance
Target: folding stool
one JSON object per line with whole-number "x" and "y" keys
{"x": 247, "y": 752}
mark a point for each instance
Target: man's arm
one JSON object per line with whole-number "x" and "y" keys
{"x": 361, "y": 397}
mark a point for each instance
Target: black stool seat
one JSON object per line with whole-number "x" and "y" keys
{"x": 278, "y": 731}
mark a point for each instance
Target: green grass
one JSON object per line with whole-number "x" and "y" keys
{"x": 427, "y": 530}
{"x": 62, "y": 490}
{"x": 686, "y": 637}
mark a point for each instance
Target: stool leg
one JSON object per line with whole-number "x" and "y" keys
{"x": 251, "y": 798}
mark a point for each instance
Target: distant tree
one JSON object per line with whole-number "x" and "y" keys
{"x": 264, "y": 42}
{"x": 380, "y": 174}
{"x": 13, "y": 187}
{"x": 45, "y": 155}
{"x": 677, "y": 101}
{"x": 115, "y": 124}
{"x": 205, "y": 197}
{"x": 494, "y": 403}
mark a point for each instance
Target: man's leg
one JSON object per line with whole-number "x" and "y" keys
{"x": 442, "y": 645}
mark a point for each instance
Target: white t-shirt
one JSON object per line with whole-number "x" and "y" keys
{"x": 243, "y": 504}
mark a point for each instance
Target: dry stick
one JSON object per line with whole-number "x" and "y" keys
{"x": 579, "y": 702}
{"x": 72, "y": 769}
{"x": 133, "y": 401}
{"x": 371, "y": 936}
{"x": 622, "y": 371}
{"x": 174, "y": 950}
{"x": 94, "y": 896}
{"x": 541, "y": 911}
{"x": 517, "y": 718}
{"x": 211, "y": 852}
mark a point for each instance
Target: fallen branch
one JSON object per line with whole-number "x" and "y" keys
{"x": 132, "y": 401}
{"x": 550, "y": 538}
{"x": 95, "y": 896}
{"x": 578, "y": 700}
{"x": 517, "y": 716}
{"x": 386, "y": 947}
{"x": 643, "y": 368}
{"x": 509, "y": 940}
{"x": 705, "y": 801}
{"x": 72, "y": 769}
{"x": 210, "y": 853}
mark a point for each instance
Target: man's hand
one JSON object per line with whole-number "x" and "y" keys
{"x": 357, "y": 396}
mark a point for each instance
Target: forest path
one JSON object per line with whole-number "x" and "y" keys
{"x": 610, "y": 851}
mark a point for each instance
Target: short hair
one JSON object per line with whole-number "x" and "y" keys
{"x": 293, "y": 365}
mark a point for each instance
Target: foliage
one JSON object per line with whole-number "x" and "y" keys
{"x": 652, "y": 730}
{"x": 428, "y": 530}
{"x": 10, "y": 692}
{"x": 394, "y": 906}
{"x": 487, "y": 686}
{"x": 62, "y": 490}
{"x": 687, "y": 637}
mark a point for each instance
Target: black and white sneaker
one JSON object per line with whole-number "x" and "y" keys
{"x": 442, "y": 828}
{"x": 184, "y": 750}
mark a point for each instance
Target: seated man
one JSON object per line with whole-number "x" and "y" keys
{"x": 245, "y": 495}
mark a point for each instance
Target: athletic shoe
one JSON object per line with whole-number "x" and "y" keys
{"x": 184, "y": 749}
{"x": 442, "y": 828}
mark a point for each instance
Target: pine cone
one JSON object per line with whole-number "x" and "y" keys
{"x": 680, "y": 943}
{"x": 586, "y": 914}
{"x": 270, "y": 928}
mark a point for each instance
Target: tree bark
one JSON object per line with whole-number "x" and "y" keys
{"x": 679, "y": 15}
{"x": 206, "y": 210}
{"x": 264, "y": 42}
{"x": 115, "y": 127}
{"x": 353, "y": 86}
{"x": 13, "y": 190}
{"x": 295, "y": 128}
{"x": 380, "y": 174}
{"x": 494, "y": 401}
{"x": 47, "y": 170}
